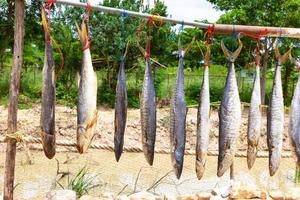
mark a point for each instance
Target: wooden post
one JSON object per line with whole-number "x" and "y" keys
{"x": 13, "y": 99}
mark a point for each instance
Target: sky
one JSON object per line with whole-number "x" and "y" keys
{"x": 188, "y": 10}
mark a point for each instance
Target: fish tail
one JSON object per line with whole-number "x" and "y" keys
{"x": 83, "y": 34}
{"x": 251, "y": 155}
{"x": 45, "y": 23}
{"x": 282, "y": 58}
{"x": 200, "y": 164}
{"x": 224, "y": 164}
{"x": 232, "y": 56}
{"x": 49, "y": 146}
{"x": 274, "y": 161}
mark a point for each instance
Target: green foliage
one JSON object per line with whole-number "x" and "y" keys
{"x": 82, "y": 183}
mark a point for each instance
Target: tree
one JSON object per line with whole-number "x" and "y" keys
{"x": 280, "y": 13}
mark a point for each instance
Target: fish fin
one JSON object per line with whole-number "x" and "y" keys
{"x": 232, "y": 56}
{"x": 92, "y": 120}
{"x": 282, "y": 58}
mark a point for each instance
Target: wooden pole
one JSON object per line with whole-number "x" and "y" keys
{"x": 13, "y": 99}
{"x": 218, "y": 28}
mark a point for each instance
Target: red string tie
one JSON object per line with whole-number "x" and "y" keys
{"x": 49, "y": 4}
{"x": 89, "y": 7}
{"x": 87, "y": 46}
{"x": 211, "y": 28}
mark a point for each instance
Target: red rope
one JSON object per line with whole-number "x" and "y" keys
{"x": 256, "y": 36}
{"x": 211, "y": 28}
{"x": 87, "y": 46}
{"x": 49, "y": 4}
{"x": 89, "y": 7}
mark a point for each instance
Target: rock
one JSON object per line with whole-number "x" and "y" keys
{"x": 188, "y": 197}
{"x": 277, "y": 195}
{"x": 87, "y": 197}
{"x": 293, "y": 194}
{"x": 107, "y": 196}
{"x": 142, "y": 196}
{"x": 204, "y": 196}
{"x": 122, "y": 197}
{"x": 247, "y": 193}
{"x": 61, "y": 194}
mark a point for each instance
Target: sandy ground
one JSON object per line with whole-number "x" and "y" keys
{"x": 39, "y": 178}
{"x": 28, "y": 123}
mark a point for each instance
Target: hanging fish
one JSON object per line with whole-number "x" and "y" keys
{"x": 178, "y": 116}
{"x": 294, "y": 121}
{"x": 148, "y": 114}
{"x": 120, "y": 109}
{"x": 275, "y": 118}
{"x": 229, "y": 114}
{"x": 254, "y": 119}
{"x": 203, "y": 120}
{"x": 87, "y": 102}
{"x": 47, "y": 121}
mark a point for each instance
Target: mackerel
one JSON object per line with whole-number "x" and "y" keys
{"x": 178, "y": 119}
{"x": 47, "y": 120}
{"x": 203, "y": 123}
{"x": 87, "y": 113}
{"x": 294, "y": 121}
{"x": 229, "y": 115}
{"x": 148, "y": 114}
{"x": 120, "y": 110}
{"x": 254, "y": 118}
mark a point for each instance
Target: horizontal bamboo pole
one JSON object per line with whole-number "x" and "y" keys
{"x": 218, "y": 28}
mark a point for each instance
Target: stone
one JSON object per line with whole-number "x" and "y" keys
{"x": 87, "y": 197}
{"x": 293, "y": 194}
{"x": 204, "y": 196}
{"x": 122, "y": 197}
{"x": 247, "y": 193}
{"x": 276, "y": 195}
{"x": 107, "y": 196}
{"x": 61, "y": 194}
{"x": 188, "y": 197}
{"x": 142, "y": 196}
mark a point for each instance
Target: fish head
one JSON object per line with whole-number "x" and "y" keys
{"x": 83, "y": 138}
{"x": 49, "y": 145}
{"x": 224, "y": 163}
{"x": 200, "y": 164}
{"x": 178, "y": 165}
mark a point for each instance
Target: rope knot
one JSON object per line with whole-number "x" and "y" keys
{"x": 18, "y": 136}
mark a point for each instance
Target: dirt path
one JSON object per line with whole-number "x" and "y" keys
{"x": 28, "y": 122}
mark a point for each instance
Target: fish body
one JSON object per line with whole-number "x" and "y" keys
{"x": 47, "y": 120}
{"x": 229, "y": 122}
{"x": 87, "y": 100}
{"x": 275, "y": 123}
{"x": 203, "y": 125}
{"x": 254, "y": 120}
{"x": 178, "y": 120}
{"x": 294, "y": 120}
{"x": 148, "y": 114}
{"x": 120, "y": 111}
